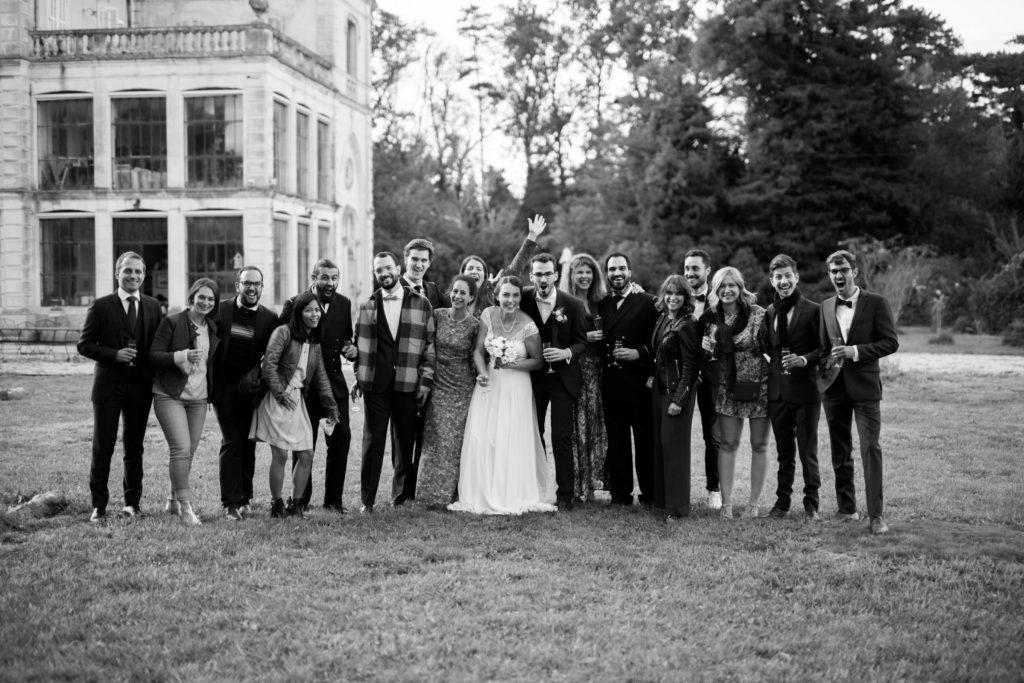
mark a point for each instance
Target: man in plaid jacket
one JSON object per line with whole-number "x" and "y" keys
{"x": 394, "y": 374}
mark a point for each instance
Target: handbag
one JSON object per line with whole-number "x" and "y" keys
{"x": 252, "y": 383}
{"x": 746, "y": 391}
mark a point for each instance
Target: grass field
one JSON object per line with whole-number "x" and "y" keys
{"x": 595, "y": 594}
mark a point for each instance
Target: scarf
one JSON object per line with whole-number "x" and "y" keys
{"x": 782, "y": 309}
{"x": 724, "y": 341}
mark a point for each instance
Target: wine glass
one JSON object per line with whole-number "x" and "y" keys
{"x": 551, "y": 370}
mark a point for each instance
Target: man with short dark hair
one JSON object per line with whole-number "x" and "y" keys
{"x": 118, "y": 331}
{"x": 857, "y": 329}
{"x": 628, "y": 320}
{"x": 794, "y": 404}
{"x": 245, "y": 327}
{"x": 697, "y": 270}
{"x": 394, "y": 374}
{"x": 418, "y": 255}
{"x": 335, "y": 342}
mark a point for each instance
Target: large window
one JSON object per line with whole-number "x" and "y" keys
{"x": 213, "y": 131}
{"x": 280, "y": 249}
{"x": 280, "y": 146}
{"x": 324, "y": 243}
{"x": 302, "y": 251}
{"x": 140, "y": 143}
{"x": 215, "y": 249}
{"x": 324, "y": 162}
{"x": 350, "y": 48}
{"x": 67, "y": 260}
{"x": 302, "y": 154}
{"x": 146, "y": 236}
{"x": 65, "y": 144}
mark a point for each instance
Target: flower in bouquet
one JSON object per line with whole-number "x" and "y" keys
{"x": 502, "y": 351}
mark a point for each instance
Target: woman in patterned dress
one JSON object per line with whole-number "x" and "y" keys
{"x": 454, "y": 379}
{"x": 589, "y": 439}
{"x": 737, "y": 340}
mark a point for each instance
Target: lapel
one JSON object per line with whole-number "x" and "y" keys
{"x": 379, "y": 315}
{"x": 828, "y": 312}
{"x": 858, "y": 314}
{"x": 615, "y": 314}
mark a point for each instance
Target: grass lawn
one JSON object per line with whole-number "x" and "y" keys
{"x": 596, "y": 594}
{"x": 916, "y": 340}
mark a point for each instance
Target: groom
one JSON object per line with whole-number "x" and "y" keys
{"x": 560, "y": 319}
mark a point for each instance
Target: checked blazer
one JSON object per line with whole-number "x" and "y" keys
{"x": 415, "y": 361}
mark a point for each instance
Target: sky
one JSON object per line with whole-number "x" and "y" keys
{"x": 983, "y": 25}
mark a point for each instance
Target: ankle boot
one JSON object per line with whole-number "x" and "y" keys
{"x": 187, "y": 514}
{"x": 295, "y": 509}
{"x": 277, "y": 508}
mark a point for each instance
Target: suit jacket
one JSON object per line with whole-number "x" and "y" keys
{"x": 415, "y": 362}
{"x": 106, "y": 332}
{"x": 266, "y": 321}
{"x": 435, "y": 296}
{"x": 335, "y": 331}
{"x": 176, "y": 334}
{"x": 800, "y": 385}
{"x": 566, "y": 329}
{"x": 633, "y": 322}
{"x": 873, "y": 332}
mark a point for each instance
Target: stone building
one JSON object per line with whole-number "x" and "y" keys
{"x": 204, "y": 134}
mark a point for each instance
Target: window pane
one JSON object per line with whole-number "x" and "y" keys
{"x": 302, "y": 154}
{"x": 215, "y": 249}
{"x": 147, "y": 237}
{"x": 280, "y": 249}
{"x": 68, "y": 261}
{"x": 65, "y": 144}
{"x": 324, "y": 162}
{"x": 302, "y": 251}
{"x": 280, "y": 136}
{"x": 213, "y": 132}
{"x": 140, "y": 143}
{"x": 325, "y": 245}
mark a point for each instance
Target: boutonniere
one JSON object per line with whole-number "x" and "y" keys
{"x": 559, "y": 314}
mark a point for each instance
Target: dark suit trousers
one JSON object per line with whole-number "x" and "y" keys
{"x": 237, "y": 453}
{"x": 409, "y": 493}
{"x": 549, "y": 389}
{"x": 796, "y": 430}
{"x": 672, "y": 456}
{"x": 620, "y": 419}
{"x": 337, "y": 449}
{"x": 384, "y": 408}
{"x": 132, "y": 408}
{"x": 839, "y": 412}
{"x": 708, "y": 424}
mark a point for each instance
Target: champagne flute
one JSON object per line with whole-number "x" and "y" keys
{"x": 551, "y": 370}
{"x": 616, "y": 347}
{"x": 837, "y": 340}
{"x": 132, "y": 344}
{"x": 783, "y": 352}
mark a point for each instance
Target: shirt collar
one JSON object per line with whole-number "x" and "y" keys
{"x": 856, "y": 295}
{"x": 123, "y": 295}
{"x": 241, "y": 306}
{"x": 399, "y": 292}
{"x": 550, "y": 299}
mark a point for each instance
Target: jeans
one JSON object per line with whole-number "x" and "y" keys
{"x": 182, "y": 422}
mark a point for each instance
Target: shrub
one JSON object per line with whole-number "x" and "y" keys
{"x": 941, "y": 339}
{"x": 999, "y": 300}
{"x": 1014, "y": 333}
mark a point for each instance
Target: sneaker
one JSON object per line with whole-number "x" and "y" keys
{"x": 878, "y": 526}
{"x": 133, "y": 511}
{"x": 277, "y": 510}
{"x": 245, "y": 510}
{"x": 847, "y": 516}
{"x": 231, "y": 513}
{"x": 811, "y": 515}
{"x": 715, "y": 500}
{"x": 777, "y": 513}
{"x": 98, "y": 516}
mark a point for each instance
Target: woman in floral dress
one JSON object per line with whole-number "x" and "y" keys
{"x": 454, "y": 380}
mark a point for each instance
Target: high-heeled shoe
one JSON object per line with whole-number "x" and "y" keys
{"x": 172, "y": 507}
{"x": 725, "y": 512}
{"x": 187, "y": 514}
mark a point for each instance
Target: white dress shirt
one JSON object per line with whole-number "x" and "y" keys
{"x": 393, "y": 308}
{"x": 844, "y": 316}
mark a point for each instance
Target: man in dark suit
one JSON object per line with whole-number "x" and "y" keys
{"x": 560, "y": 317}
{"x": 857, "y": 328}
{"x": 335, "y": 341}
{"x": 118, "y": 331}
{"x": 628, "y": 320}
{"x": 697, "y": 270}
{"x": 794, "y": 404}
{"x": 394, "y": 374}
{"x": 245, "y": 330}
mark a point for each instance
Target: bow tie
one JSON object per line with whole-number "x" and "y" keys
{"x": 701, "y": 297}
{"x": 844, "y": 302}
{"x": 546, "y": 302}
{"x": 390, "y": 297}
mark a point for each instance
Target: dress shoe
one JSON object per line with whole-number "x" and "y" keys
{"x": 335, "y": 507}
{"x": 564, "y": 505}
{"x": 277, "y": 508}
{"x": 171, "y": 507}
{"x": 847, "y": 516}
{"x": 231, "y": 513}
{"x": 98, "y": 516}
{"x": 366, "y": 510}
{"x": 878, "y": 526}
{"x": 811, "y": 515}
{"x": 714, "y": 500}
{"x": 777, "y": 513}
{"x": 187, "y": 514}
{"x": 133, "y": 511}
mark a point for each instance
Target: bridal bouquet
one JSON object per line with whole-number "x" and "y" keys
{"x": 502, "y": 351}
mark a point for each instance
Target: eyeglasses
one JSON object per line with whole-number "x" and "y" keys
{"x": 543, "y": 276}
{"x": 255, "y": 285}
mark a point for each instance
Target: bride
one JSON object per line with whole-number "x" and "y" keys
{"x": 504, "y": 469}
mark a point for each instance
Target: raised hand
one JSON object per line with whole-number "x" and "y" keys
{"x": 537, "y": 224}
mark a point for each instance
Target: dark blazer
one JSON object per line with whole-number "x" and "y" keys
{"x": 569, "y": 333}
{"x": 800, "y": 385}
{"x": 435, "y": 296}
{"x": 873, "y": 332}
{"x": 335, "y": 331}
{"x": 633, "y": 322}
{"x": 266, "y": 321}
{"x": 105, "y": 333}
{"x": 678, "y": 357}
{"x": 175, "y": 333}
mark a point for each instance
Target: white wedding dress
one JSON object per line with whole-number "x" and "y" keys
{"x": 504, "y": 469}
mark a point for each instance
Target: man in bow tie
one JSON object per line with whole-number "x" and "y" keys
{"x": 697, "y": 270}
{"x": 394, "y": 374}
{"x": 856, "y": 330}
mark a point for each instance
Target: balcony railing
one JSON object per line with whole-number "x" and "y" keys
{"x": 180, "y": 42}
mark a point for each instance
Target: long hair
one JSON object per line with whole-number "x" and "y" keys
{"x": 746, "y": 298}
{"x": 678, "y": 283}
{"x": 199, "y": 284}
{"x": 598, "y": 287}
{"x": 295, "y": 324}
{"x": 474, "y": 257}
{"x": 470, "y": 282}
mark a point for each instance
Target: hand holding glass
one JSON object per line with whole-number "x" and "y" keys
{"x": 783, "y": 352}
{"x": 837, "y": 341}
{"x": 551, "y": 370}
{"x": 132, "y": 344}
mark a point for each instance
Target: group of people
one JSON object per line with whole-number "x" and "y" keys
{"x": 462, "y": 381}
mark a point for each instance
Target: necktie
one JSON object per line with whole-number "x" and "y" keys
{"x": 844, "y": 302}
{"x": 419, "y": 289}
{"x": 133, "y": 314}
